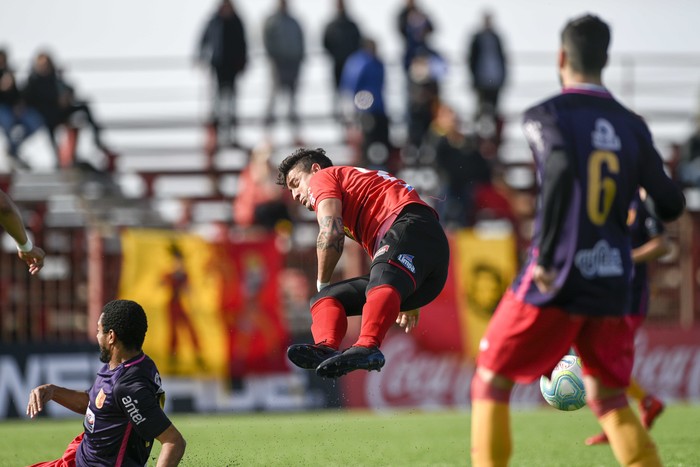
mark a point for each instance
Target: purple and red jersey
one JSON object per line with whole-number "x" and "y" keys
{"x": 611, "y": 153}
{"x": 369, "y": 197}
{"x": 124, "y": 415}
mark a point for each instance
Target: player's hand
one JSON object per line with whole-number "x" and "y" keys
{"x": 408, "y": 319}
{"x": 38, "y": 398}
{"x": 544, "y": 278}
{"x": 34, "y": 259}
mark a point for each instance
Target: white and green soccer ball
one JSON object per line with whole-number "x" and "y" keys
{"x": 564, "y": 390}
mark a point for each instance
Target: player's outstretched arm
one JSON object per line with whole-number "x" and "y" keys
{"x": 173, "y": 447}
{"x": 77, "y": 401}
{"x": 11, "y": 221}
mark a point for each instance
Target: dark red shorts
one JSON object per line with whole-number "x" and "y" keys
{"x": 523, "y": 342}
{"x": 68, "y": 458}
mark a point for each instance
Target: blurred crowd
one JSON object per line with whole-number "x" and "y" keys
{"x": 43, "y": 101}
{"x": 465, "y": 163}
{"x": 458, "y": 146}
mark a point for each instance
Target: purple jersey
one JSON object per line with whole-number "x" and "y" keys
{"x": 611, "y": 153}
{"x": 643, "y": 227}
{"x": 124, "y": 415}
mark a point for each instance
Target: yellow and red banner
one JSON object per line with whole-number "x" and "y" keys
{"x": 213, "y": 309}
{"x": 483, "y": 262}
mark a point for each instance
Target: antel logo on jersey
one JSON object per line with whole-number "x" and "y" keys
{"x": 132, "y": 410}
{"x": 407, "y": 261}
{"x": 100, "y": 399}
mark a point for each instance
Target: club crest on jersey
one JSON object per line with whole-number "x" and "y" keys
{"x": 100, "y": 399}
{"x": 89, "y": 421}
{"x": 407, "y": 261}
{"x": 380, "y": 252}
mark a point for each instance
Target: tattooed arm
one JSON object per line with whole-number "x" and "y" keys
{"x": 331, "y": 237}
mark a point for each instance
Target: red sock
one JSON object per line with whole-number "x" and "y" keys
{"x": 378, "y": 314}
{"x": 328, "y": 322}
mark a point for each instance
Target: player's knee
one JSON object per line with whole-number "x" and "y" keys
{"x": 603, "y": 405}
{"x": 487, "y": 384}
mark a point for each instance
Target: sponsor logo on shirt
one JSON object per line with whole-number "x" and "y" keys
{"x": 100, "y": 399}
{"x": 312, "y": 198}
{"x": 407, "y": 261}
{"x": 599, "y": 261}
{"x": 380, "y": 252}
{"x": 604, "y": 137}
{"x": 130, "y": 405}
{"x": 89, "y": 421}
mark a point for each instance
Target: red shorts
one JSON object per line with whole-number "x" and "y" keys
{"x": 68, "y": 458}
{"x": 523, "y": 342}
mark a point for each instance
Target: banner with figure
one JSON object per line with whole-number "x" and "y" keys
{"x": 208, "y": 305}
{"x": 485, "y": 263}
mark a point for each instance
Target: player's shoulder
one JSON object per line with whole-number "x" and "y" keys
{"x": 544, "y": 110}
{"x": 141, "y": 371}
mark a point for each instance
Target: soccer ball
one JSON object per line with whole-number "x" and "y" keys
{"x": 564, "y": 390}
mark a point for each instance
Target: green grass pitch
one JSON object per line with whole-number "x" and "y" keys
{"x": 542, "y": 437}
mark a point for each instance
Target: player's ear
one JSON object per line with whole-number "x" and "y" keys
{"x": 561, "y": 57}
{"x": 315, "y": 167}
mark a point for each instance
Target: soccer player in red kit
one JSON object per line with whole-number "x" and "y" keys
{"x": 400, "y": 232}
{"x": 591, "y": 155}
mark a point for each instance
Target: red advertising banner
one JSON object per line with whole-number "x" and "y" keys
{"x": 667, "y": 365}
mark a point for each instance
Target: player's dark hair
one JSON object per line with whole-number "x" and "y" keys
{"x": 128, "y": 321}
{"x": 586, "y": 40}
{"x": 304, "y": 158}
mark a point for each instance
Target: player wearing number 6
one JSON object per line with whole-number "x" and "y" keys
{"x": 591, "y": 155}
{"x": 401, "y": 234}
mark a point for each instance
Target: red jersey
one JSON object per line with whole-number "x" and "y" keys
{"x": 370, "y": 198}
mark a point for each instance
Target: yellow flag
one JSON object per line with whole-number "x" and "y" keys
{"x": 485, "y": 263}
{"x": 174, "y": 277}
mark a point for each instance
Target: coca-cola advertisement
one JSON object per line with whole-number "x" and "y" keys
{"x": 667, "y": 364}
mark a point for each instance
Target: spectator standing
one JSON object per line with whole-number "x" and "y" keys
{"x": 224, "y": 49}
{"x": 284, "y": 44}
{"x": 362, "y": 87}
{"x": 460, "y": 167}
{"x": 415, "y": 27}
{"x": 487, "y": 66}
{"x": 340, "y": 39}
{"x": 426, "y": 71}
{"x": 18, "y": 121}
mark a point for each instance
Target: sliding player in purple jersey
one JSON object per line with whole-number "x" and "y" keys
{"x": 591, "y": 155}
{"x": 123, "y": 408}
